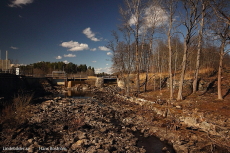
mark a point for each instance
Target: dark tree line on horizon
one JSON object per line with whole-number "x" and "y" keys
{"x": 171, "y": 36}
{"x": 43, "y": 68}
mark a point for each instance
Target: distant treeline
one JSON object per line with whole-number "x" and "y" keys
{"x": 42, "y": 68}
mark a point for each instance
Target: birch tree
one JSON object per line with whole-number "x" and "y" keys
{"x": 170, "y": 6}
{"x": 223, "y": 31}
{"x": 189, "y": 21}
{"x": 200, "y": 42}
{"x": 220, "y": 12}
{"x": 132, "y": 16}
{"x": 154, "y": 17}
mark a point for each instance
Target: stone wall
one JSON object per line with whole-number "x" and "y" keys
{"x": 203, "y": 84}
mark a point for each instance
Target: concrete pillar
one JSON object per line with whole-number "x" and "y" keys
{"x": 69, "y": 84}
{"x": 121, "y": 83}
{"x": 99, "y": 82}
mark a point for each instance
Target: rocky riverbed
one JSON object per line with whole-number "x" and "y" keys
{"x": 106, "y": 122}
{"x": 79, "y": 125}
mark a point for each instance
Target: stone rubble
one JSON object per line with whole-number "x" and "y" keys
{"x": 108, "y": 123}
{"x": 78, "y": 125}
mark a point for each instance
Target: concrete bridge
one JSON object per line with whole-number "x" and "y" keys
{"x": 61, "y": 78}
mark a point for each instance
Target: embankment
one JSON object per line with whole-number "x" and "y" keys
{"x": 11, "y": 84}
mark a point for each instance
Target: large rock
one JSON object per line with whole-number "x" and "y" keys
{"x": 85, "y": 87}
{"x": 77, "y": 144}
{"x": 190, "y": 121}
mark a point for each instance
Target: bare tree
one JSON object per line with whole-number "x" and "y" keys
{"x": 224, "y": 38}
{"x": 170, "y": 6}
{"x": 132, "y": 17}
{"x": 151, "y": 22}
{"x": 222, "y": 13}
{"x": 200, "y": 41}
{"x": 189, "y": 21}
{"x": 129, "y": 61}
{"x": 221, "y": 29}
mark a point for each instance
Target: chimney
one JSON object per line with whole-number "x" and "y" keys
{"x": 6, "y": 55}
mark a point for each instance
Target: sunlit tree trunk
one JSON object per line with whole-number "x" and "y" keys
{"x": 220, "y": 71}
{"x": 190, "y": 23}
{"x": 195, "y": 81}
{"x": 171, "y": 11}
{"x": 179, "y": 95}
{"x": 137, "y": 64}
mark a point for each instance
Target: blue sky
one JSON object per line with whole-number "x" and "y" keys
{"x": 58, "y": 30}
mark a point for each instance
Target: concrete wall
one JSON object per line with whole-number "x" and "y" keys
{"x": 11, "y": 83}
{"x": 99, "y": 82}
{"x": 70, "y": 84}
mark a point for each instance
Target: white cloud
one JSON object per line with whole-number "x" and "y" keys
{"x": 58, "y": 57}
{"x": 89, "y": 34}
{"x": 103, "y": 48}
{"x": 94, "y": 61}
{"x": 74, "y": 46}
{"x": 132, "y": 20}
{"x": 19, "y": 3}
{"x": 13, "y": 47}
{"x": 152, "y": 16}
{"x": 106, "y": 64}
{"x": 109, "y": 53}
{"x": 93, "y": 49}
{"x": 155, "y": 16}
{"x": 105, "y": 69}
{"x": 69, "y": 55}
{"x": 98, "y": 70}
{"x": 66, "y": 62}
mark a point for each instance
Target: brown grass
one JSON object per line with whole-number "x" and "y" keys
{"x": 188, "y": 75}
{"x": 17, "y": 108}
{"x": 205, "y": 72}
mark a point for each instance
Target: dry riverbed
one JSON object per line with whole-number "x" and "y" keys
{"x": 106, "y": 122}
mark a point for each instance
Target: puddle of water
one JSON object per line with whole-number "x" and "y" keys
{"x": 152, "y": 144}
{"x": 77, "y": 94}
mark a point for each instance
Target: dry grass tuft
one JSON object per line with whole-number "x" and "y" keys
{"x": 17, "y": 108}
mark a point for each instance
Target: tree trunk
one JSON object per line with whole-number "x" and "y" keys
{"x": 137, "y": 65}
{"x": 147, "y": 64}
{"x": 170, "y": 62}
{"x": 179, "y": 96}
{"x": 175, "y": 68}
{"x": 195, "y": 81}
{"x": 220, "y": 71}
{"x": 128, "y": 85}
{"x": 170, "y": 69}
{"x": 137, "y": 14}
{"x": 146, "y": 80}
